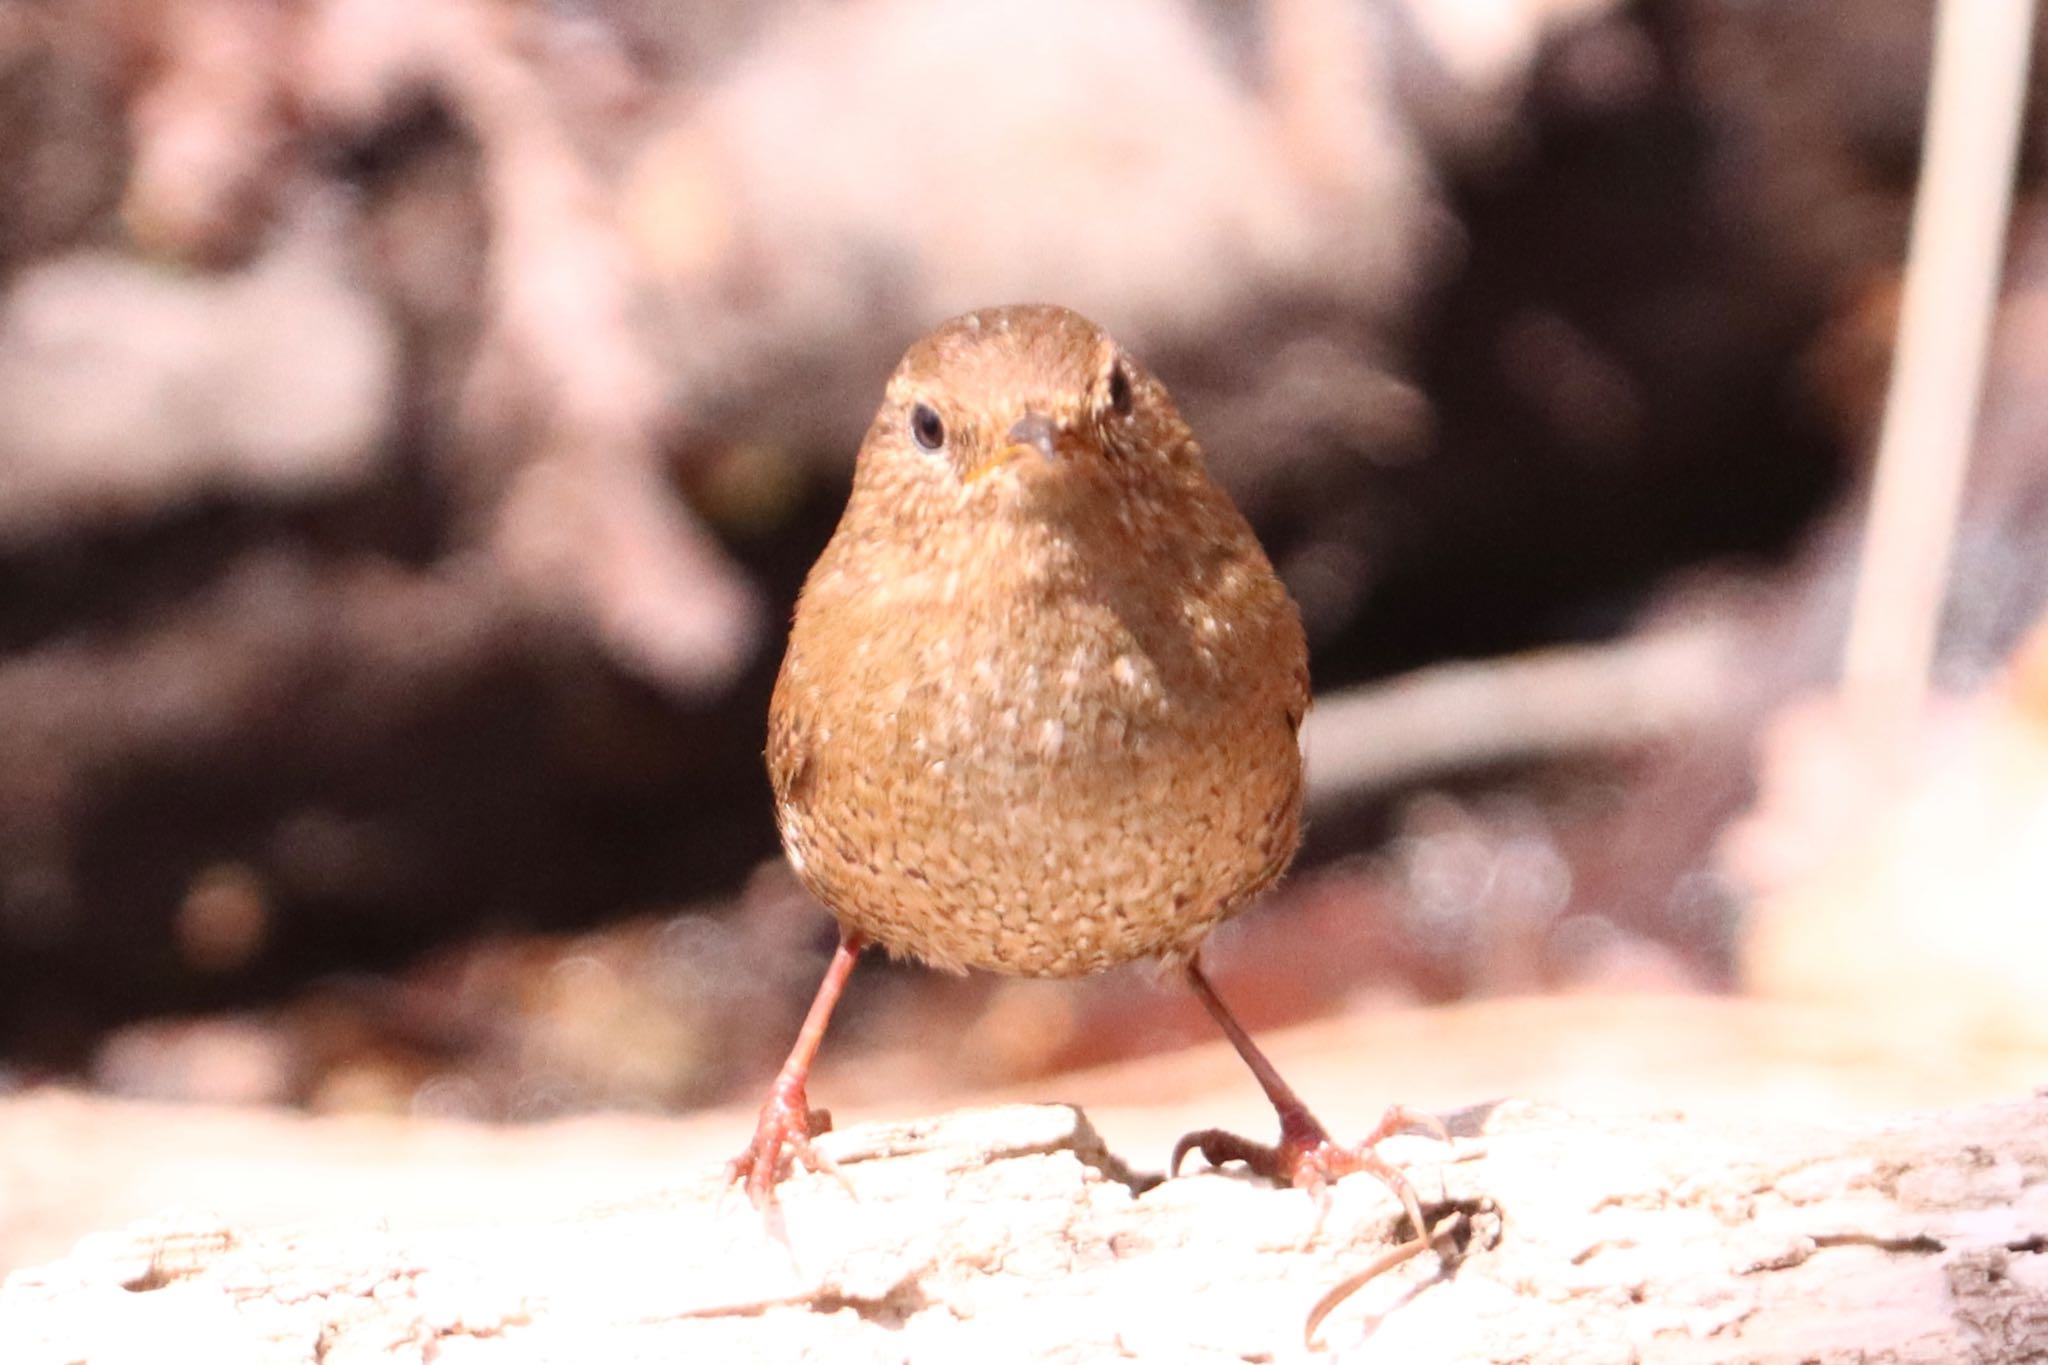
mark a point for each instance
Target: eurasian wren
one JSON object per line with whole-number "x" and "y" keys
{"x": 1041, "y": 705}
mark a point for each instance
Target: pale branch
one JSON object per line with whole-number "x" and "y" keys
{"x": 1463, "y": 716}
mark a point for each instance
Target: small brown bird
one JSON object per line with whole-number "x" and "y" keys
{"x": 1041, "y": 705}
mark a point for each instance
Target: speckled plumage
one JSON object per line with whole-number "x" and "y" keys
{"x": 1039, "y": 712}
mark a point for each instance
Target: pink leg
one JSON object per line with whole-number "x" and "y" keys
{"x": 1305, "y": 1156}
{"x": 787, "y": 1121}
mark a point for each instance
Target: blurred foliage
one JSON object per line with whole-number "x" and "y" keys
{"x": 416, "y": 416}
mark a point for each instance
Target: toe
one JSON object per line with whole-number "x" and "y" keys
{"x": 1219, "y": 1147}
{"x": 782, "y": 1133}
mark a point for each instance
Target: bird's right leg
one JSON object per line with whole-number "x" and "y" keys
{"x": 788, "y": 1123}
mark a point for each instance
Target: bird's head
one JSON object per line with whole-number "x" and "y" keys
{"x": 1020, "y": 407}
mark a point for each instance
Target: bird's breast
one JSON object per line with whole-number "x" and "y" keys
{"x": 1045, "y": 775}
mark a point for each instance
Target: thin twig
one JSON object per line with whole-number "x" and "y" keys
{"x": 1974, "y": 107}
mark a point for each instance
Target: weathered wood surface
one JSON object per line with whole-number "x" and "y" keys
{"x": 1012, "y": 1234}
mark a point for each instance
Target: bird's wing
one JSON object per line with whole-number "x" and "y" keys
{"x": 791, "y": 752}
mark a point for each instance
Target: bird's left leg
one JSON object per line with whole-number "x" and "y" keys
{"x": 1306, "y": 1156}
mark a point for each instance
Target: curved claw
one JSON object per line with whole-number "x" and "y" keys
{"x": 1401, "y": 1119}
{"x": 1218, "y": 1146}
{"x": 1307, "y": 1159}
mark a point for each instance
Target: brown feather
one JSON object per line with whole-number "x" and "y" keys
{"x": 1038, "y": 714}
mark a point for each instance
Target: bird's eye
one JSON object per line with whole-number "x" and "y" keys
{"x": 1119, "y": 390}
{"x": 926, "y": 426}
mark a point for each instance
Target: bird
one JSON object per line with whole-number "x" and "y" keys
{"x": 1041, "y": 706}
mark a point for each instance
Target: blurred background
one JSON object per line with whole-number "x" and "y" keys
{"x": 416, "y": 417}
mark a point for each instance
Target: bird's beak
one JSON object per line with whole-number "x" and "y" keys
{"x": 1033, "y": 434}
{"x": 1033, "y": 431}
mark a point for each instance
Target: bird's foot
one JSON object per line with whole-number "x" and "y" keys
{"x": 1307, "y": 1158}
{"x": 782, "y": 1137}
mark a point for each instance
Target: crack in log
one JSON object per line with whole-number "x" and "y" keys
{"x": 1077, "y": 1139}
{"x": 180, "y": 1255}
{"x": 1920, "y": 1244}
{"x": 891, "y": 1308}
